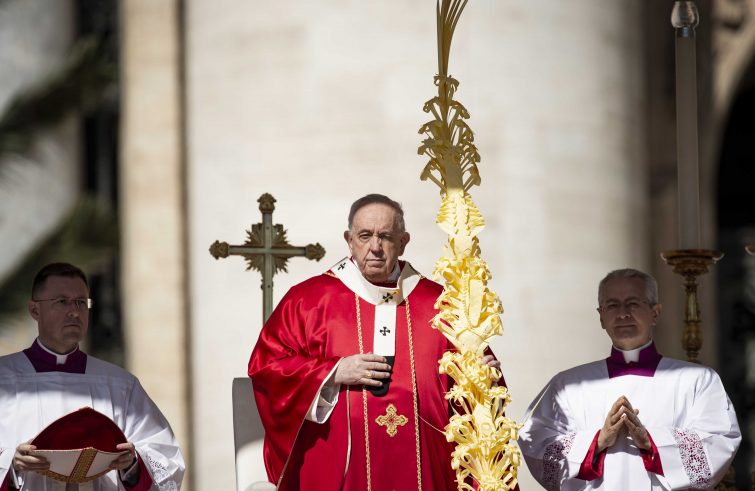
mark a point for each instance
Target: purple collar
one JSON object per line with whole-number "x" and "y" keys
{"x": 42, "y": 361}
{"x": 644, "y": 367}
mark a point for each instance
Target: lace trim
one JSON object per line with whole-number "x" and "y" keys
{"x": 554, "y": 454}
{"x": 161, "y": 476}
{"x": 693, "y": 458}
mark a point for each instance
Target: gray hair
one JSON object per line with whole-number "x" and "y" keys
{"x": 651, "y": 286}
{"x": 374, "y": 198}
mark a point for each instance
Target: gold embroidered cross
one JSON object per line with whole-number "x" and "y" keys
{"x": 391, "y": 420}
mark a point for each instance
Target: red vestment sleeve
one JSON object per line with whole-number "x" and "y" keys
{"x": 287, "y": 367}
{"x": 651, "y": 458}
{"x": 592, "y": 465}
{"x": 145, "y": 479}
{"x": 4, "y": 485}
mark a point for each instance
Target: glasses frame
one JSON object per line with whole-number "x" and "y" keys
{"x": 68, "y": 302}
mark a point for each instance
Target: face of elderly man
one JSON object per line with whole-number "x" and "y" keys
{"x": 375, "y": 241}
{"x": 626, "y": 314}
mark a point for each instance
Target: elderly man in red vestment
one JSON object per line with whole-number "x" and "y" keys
{"x": 345, "y": 371}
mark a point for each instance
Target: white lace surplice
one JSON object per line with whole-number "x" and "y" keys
{"x": 684, "y": 407}
{"x": 29, "y": 401}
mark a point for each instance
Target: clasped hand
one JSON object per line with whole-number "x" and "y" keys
{"x": 366, "y": 369}
{"x": 623, "y": 417}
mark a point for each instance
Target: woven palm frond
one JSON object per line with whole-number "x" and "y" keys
{"x": 468, "y": 312}
{"x": 449, "y": 141}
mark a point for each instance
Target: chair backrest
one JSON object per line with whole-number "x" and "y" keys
{"x": 248, "y": 436}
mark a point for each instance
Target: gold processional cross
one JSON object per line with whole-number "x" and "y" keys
{"x": 267, "y": 250}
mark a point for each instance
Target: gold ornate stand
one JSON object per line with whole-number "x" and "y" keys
{"x": 691, "y": 263}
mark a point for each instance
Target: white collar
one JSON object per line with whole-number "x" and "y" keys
{"x": 59, "y": 359}
{"x": 385, "y": 299}
{"x": 346, "y": 271}
{"x": 633, "y": 355}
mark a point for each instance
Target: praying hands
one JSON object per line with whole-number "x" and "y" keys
{"x": 623, "y": 417}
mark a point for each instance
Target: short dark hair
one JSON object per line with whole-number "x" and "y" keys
{"x": 56, "y": 269}
{"x": 651, "y": 286}
{"x": 382, "y": 199}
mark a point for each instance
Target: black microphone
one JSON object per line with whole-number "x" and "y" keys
{"x": 383, "y": 389}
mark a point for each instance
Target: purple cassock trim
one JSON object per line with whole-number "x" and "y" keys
{"x": 644, "y": 367}
{"x": 42, "y": 361}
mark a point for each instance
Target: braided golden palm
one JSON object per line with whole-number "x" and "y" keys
{"x": 468, "y": 311}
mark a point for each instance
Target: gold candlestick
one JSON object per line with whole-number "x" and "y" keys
{"x": 691, "y": 263}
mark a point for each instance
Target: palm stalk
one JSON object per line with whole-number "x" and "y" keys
{"x": 469, "y": 312}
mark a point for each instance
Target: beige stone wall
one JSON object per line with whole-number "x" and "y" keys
{"x": 319, "y": 104}
{"x": 152, "y": 208}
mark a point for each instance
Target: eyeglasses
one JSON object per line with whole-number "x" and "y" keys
{"x": 67, "y": 303}
{"x": 631, "y": 306}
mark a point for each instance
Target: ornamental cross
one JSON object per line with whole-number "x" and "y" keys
{"x": 384, "y": 331}
{"x": 267, "y": 250}
{"x": 388, "y": 297}
{"x": 391, "y": 420}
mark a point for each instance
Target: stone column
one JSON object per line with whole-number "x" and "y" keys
{"x": 152, "y": 207}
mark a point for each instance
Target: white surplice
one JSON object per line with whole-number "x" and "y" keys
{"x": 29, "y": 401}
{"x": 683, "y": 406}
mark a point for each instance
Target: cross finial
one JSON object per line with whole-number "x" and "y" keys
{"x": 267, "y": 250}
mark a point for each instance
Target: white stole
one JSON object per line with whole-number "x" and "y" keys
{"x": 385, "y": 300}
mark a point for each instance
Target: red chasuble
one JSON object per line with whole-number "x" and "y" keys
{"x": 314, "y": 326}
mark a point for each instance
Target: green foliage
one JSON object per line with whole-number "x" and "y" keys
{"x": 78, "y": 86}
{"x": 86, "y": 237}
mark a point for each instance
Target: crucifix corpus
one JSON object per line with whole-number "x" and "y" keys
{"x": 267, "y": 250}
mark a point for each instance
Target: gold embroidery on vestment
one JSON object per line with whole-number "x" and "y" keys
{"x": 391, "y": 420}
{"x": 414, "y": 396}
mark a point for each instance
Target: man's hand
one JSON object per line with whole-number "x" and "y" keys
{"x": 123, "y": 462}
{"x": 365, "y": 369}
{"x": 24, "y": 460}
{"x": 490, "y": 361}
{"x": 613, "y": 424}
{"x": 637, "y": 431}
